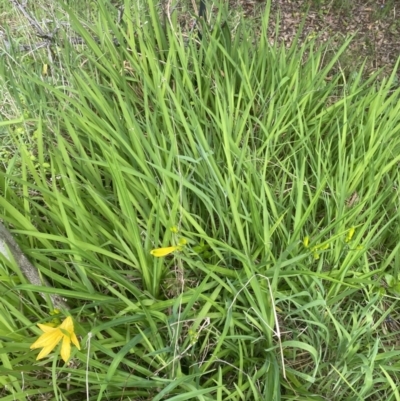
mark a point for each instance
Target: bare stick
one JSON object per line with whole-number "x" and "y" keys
{"x": 26, "y": 267}
{"x": 33, "y": 22}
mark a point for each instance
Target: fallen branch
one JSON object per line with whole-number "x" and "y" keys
{"x": 8, "y": 244}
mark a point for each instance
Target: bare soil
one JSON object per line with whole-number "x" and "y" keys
{"x": 374, "y": 25}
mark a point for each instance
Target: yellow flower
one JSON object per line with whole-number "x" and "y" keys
{"x": 160, "y": 252}
{"x": 350, "y": 234}
{"x": 182, "y": 241}
{"x": 52, "y": 336}
{"x": 306, "y": 241}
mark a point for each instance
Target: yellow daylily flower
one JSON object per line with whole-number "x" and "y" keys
{"x": 53, "y": 335}
{"x": 160, "y": 252}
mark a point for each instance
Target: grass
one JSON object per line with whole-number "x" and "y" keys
{"x": 281, "y": 175}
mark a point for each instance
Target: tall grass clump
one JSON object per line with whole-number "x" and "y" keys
{"x": 271, "y": 179}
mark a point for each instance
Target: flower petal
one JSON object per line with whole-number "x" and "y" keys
{"x": 48, "y": 339}
{"x": 66, "y": 348}
{"x": 46, "y": 328}
{"x": 45, "y": 351}
{"x": 68, "y": 324}
{"x": 160, "y": 252}
{"x": 48, "y": 342}
{"x": 75, "y": 341}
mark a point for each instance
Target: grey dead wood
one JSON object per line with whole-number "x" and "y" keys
{"x": 8, "y": 244}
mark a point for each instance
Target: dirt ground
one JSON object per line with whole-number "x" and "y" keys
{"x": 374, "y": 24}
